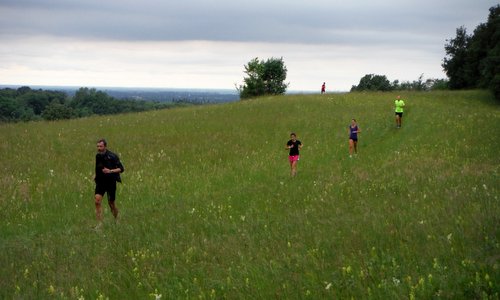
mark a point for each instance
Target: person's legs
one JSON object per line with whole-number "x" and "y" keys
{"x": 111, "y": 199}
{"x": 399, "y": 116}
{"x": 98, "y": 207}
{"x": 351, "y": 146}
{"x": 294, "y": 168}
{"x": 355, "y": 144}
{"x": 113, "y": 207}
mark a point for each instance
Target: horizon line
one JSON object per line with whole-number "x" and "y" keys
{"x": 295, "y": 91}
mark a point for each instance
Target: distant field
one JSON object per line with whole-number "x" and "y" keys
{"x": 208, "y": 209}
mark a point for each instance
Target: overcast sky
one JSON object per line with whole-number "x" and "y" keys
{"x": 206, "y": 43}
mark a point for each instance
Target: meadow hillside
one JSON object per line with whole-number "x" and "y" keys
{"x": 208, "y": 210}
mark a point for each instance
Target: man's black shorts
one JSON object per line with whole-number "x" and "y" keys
{"x": 106, "y": 187}
{"x": 400, "y": 114}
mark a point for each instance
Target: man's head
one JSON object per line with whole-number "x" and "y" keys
{"x": 101, "y": 145}
{"x": 398, "y": 97}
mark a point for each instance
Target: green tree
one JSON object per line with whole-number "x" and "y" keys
{"x": 57, "y": 111}
{"x": 456, "y": 63}
{"x": 23, "y": 90}
{"x": 438, "y": 84}
{"x": 488, "y": 36}
{"x": 25, "y": 113}
{"x": 8, "y": 108}
{"x": 35, "y": 100}
{"x": 264, "y": 78}
{"x": 372, "y": 82}
{"x": 473, "y": 61}
{"x": 97, "y": 102}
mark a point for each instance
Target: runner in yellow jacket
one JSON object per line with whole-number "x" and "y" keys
{"x": 399, "y": 104}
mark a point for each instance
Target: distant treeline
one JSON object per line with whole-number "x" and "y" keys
{"x": 26, "y": 104}
{"x": 190, "y": 96}
{"x": 372, "y": 82}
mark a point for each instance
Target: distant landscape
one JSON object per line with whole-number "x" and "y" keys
{"x": 201, "y": 96}
{"x": 34, "y": 103}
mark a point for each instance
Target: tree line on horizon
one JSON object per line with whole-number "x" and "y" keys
{"x": 26, "y": 104}
{"x": 372, "y": 82}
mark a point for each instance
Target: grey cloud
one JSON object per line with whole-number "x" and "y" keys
{"x": 328, "y": 22}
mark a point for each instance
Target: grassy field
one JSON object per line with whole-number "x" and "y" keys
{"x": 208, "y": 209}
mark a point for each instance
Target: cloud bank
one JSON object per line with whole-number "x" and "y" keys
{"x": 206, "y": 43}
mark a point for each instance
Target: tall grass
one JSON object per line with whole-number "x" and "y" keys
{"x": 208, "y": 210}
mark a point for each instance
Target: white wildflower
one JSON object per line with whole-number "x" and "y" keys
{"x": 395, "y": 281}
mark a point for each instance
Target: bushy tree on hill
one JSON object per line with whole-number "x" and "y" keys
{"x": 7, "y": 108}
{"x": 372, "y": 82}
{"x": 456, "y": 64}
{"x": 57, "y": 111}
{"x": 93, "y": 101}
{"x": 26, "y": 104}
{"x": 264, "y": 78}
{"x": 473, "y": 61}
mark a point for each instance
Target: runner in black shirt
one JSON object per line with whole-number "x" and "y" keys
{"x": 107, "y": 172}
{"x": 293, "y": 157}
